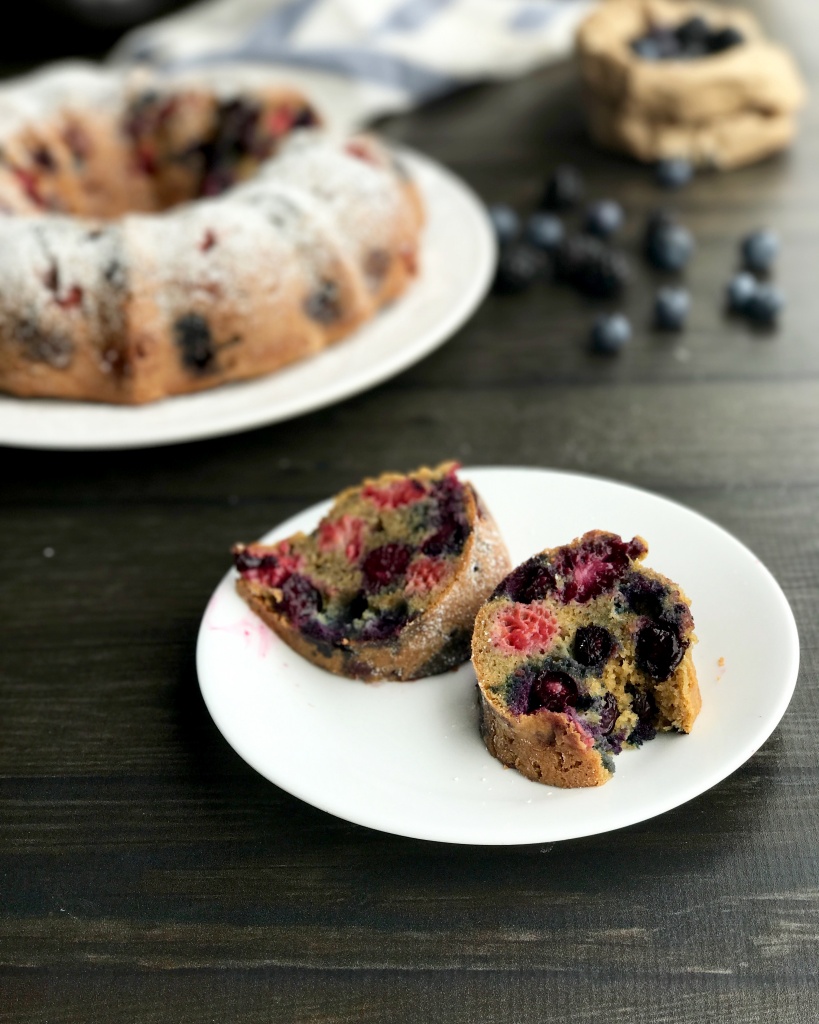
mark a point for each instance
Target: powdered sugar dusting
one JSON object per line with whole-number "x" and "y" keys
{"x": 300, "y": 237}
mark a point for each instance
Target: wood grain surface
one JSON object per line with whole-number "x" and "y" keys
{"x": 147, "y": 874}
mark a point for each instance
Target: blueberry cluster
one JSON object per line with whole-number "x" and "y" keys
{"x": 542, "y": 249}
{"x": 748, "y": 294}
{"x": 689, "y": 40}
{"x": 667, "y": 246}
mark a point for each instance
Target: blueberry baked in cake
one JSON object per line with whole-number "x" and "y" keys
{"x": 388, "y": 584}
{"x": 582, "y": 652}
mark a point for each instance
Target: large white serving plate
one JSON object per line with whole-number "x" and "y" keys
{"x": 407, "y": 757}
{"x": 457, "y": 263}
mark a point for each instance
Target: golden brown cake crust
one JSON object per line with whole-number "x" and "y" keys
{"x": 544, "y": 748}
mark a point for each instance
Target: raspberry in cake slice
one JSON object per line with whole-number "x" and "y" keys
{"x": 580, "y": 653}
{"x": 388, "y": 584}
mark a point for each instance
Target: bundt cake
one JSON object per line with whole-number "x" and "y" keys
{"x": 388, "y": 585}
{"x": 582, "y": 652}
{"x": 165, "y": 234}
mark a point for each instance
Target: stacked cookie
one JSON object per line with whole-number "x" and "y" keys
{"x": 669, "y": 79}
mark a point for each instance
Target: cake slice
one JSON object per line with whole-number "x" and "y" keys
{"x": 388, "y": 584}
{"x": 580, "y": 653}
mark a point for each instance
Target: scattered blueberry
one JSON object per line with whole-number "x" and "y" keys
{"x": 671, "y": 306}
{"x": 519, "y": 266}
{"x": 590, "y": 266}
{"x": 505, "y": 222}
{"x": 759, "y": 250}
{"x": 669, "y": 245}
{"x": 564, "y": 190}
{"x": 610, "y": 334}
{"x": 765, "y": 304}
{"x": 658, "y": 220}
{"x": 740, "y": 289}
{"x": 674, "y": 172}
{"x": 604, "y": 218}
{"x": 545, "y": 230}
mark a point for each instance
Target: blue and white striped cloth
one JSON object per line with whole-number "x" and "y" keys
{"x": 364, "y": 58}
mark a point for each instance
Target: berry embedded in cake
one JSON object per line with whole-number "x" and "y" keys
{"x": 388, "y": 584}
{"x": 581, "y": 653}
{"x": 687, "y": 40}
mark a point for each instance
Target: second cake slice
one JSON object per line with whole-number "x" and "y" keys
{"x": 582, "y": 652}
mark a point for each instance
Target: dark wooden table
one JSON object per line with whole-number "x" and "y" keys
{"x": 148, "y": 874}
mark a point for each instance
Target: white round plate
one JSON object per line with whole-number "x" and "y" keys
{"x": 457, "y": 262}
{"x": 407, "y": 758}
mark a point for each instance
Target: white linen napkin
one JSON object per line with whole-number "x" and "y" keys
{"x": 361, "y": 59}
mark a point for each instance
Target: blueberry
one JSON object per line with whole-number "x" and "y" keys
{"x": 759, "y": 250}
{"x": 740, "y": 289}
{"x": 658, "y": 650}
{"x": 519, "y": 266}
{"x": 324, "y": 304}
{"x": 668, "y": 43}
{"x": 645, "y": 708}
{"x": 647, "y": 48}
{"x": 608, "y": 712}
{"x": 592, "y": 267}
{"x": 530, "y": 581}
{"x": 644, "y": 596}
{"x": 592, "y": 645}
{"x": 724, "y": 38}
{"x": 564, "y": 190}
{"x": 545, "y": 231}
{"x": 385, "y": 625}
{"x": 611, "y": 332}
{"x": 670, "y": 247}
{"x": 604, "y": 218}
{"x": 765, "y": 304}
{"x": 505, "y": 222}
{"x": 671, "y": 306}
{"x": 300, "y": 599}
{"x": 195, "y": 342}
{"x": 658, "y": 221}
{"x": 674, "y": 172}
{"x": 693, "y": 35}
{"x": 554, "y": 691}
